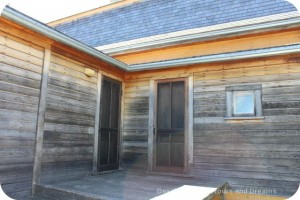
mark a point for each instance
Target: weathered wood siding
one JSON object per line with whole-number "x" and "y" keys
{"x": 246, "y": 153}
{"x": 20, "y": 76}
{"x": 254, "y": 154}
{"x": 69, "y": 121}
{"x": 136, "y": 117}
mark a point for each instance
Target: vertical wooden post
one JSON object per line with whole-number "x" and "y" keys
{"x": 97, "y": 121}
{"x": 190, "y": 141}
{"x": 151, "y": 126}
{"x": 122, "y": 123}
{"x": 40, "y": 122}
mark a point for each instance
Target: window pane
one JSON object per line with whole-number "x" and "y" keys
{"x": 243, "y": 103}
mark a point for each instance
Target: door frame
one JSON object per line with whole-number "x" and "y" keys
{"x": 101, "y": 77}
{"x": 188, "y": 133}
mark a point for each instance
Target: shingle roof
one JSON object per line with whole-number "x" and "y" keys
{"x": 153, "y": 17}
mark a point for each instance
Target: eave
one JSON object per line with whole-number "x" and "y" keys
{"x": 19, "y": 18}
{"x": 231, "y": 29}
{"x": 248, "y": 54}
{"x": 30, "y": 23}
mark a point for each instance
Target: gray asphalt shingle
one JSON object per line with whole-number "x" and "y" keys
{"x": 153, "y": 17}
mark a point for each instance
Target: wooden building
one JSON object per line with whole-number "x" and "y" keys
{"x": 220, "y": 104}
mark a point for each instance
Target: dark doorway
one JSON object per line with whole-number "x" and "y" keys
{"x": 109, "y": 125}
{"x": 170, "y": 126}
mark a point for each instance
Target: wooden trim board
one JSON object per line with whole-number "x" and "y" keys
{"x": 97, "y": 121}
{"x": 190, "y": 134}
{"x": 40, "y": 122}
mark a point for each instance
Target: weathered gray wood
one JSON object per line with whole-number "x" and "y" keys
{"x": 190, "y": 129}
{"x": 71, "y": 86}
{"x": 19, "y": 98}
{"x": 242, "y": 87}
{"x": 229, "y": 104}
{"x": 97, "y": 122}
{"x": 258, "y": 103}
{"x": 15, "y": 133}
{"x": 71, "y": 94}
{"x": 79, "y": 103}
{"x": 135, "y": 137}
{"x": 6, "y": 105}
{"x": 21, "y": 73}
{"x": 40, "y": 122}
{"x": 122, "y": 118}
{"x": 21, "y": 55}
{"x": 20, "y": 64}
{"x": 25, "y": 47}
{"x": 66, "y": 128}
{"x": 9, "y": 78}
{"x": 151, "y": 124}
{"x": 69, "y": 120}
{"x": 244, "y": 152}
{"x": 71, "y": 79}
{"x": 18, "y": 125}
{"x": 7, "y": 142}
{"x": 246, "y": 139}
{"x": 69, "y": 108}
{"x": 220, "y": 84}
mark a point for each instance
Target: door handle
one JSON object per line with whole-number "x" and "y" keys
{"x": 154, "y": 130}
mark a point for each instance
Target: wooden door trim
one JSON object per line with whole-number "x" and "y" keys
{"x": 190, "y": 127}
{"x": 188, "y": 133}
{"x": 97, "y": 123}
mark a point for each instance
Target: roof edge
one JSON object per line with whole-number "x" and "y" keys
{"x": 22, "y": 19}
{"x": 28, "y": 22}
{"x": 237, "y": 28}
{"x": 232, "y": 56}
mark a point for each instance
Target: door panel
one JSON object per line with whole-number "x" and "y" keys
{"x": 109, "y": 125}
{"x": 177, "y": 105}
{"x": 170, "y": 125}
{"x": 115, "y": 102}
{"x": 164, "y": 107}
{"x": 104, "y": 147}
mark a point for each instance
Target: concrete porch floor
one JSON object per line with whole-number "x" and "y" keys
{"x": 119, "y": 185}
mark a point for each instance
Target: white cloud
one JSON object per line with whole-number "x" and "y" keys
{"x": 46, "y": 11}
{"x": 296, "y": 3}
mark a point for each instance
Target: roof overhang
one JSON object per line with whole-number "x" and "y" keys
{"x": 19, "y": 18}
{"x": 232, "y": 56}
{"x": 32, "y": 24}
{"x": 231, "y": 29}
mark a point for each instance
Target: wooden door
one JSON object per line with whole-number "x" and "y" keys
{"x": 109, "y": 125}
{"x": 170, "y": 126}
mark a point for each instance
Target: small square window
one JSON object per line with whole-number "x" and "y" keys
{"x": 244, "y": 101}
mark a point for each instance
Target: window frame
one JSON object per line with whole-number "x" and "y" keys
{"x": 256, "y": 91}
